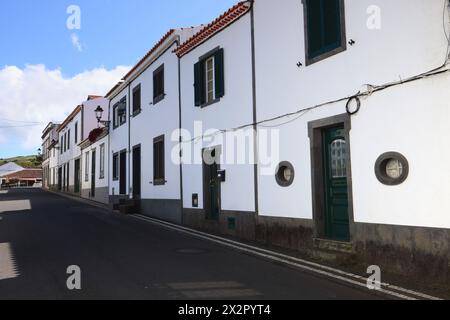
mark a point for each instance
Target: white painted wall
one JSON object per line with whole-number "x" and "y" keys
{"x": 154, "y": 121}
{"x": 118, "y": 141}
{"x": 90, "y": 121}
{"x": 99, "y": 182}
{"x": 74, "y": 152}
{"x": 411, "y": 119}
{"x": 233, "y": 110}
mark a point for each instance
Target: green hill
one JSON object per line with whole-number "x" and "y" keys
{"x": 25, "y": 161}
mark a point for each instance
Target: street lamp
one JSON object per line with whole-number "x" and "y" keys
{"x": 99, "y": 115}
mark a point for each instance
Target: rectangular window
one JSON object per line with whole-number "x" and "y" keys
{"x": 86, "y": 167}
{"x": 324, "y": 29}
{"x": 158, "y": 85}
{"x": 115, "y": 167}
{"x": 136, "y": 100}
{"x": 102, "y": 161}
{"x": 68, "y": 140}
{"x": 65, "y": 142}
{"x": 76, "y": 132}
{"x": 209, "y": 78}
{"x": 61, "y": 145}
{"x": 209, "y": 71}
{"x": 158, "y": 161}
{"x": 116, "y": 115}
{"x": 120, "y": 113}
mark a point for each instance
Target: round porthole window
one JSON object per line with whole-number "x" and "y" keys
{"x": 392, "y": 168}
{"x": 285, "y": 174}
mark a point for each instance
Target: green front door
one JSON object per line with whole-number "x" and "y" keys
{"x": 211, "y": 189}
{"x": 336, "y": 188}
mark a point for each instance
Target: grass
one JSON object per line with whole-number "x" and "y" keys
{"x": 25, "y": 161}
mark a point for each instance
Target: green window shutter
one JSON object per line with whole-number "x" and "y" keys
{"x": 199, "y": 84}
{"x": 220, "y": 74}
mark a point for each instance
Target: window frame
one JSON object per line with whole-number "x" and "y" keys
{"x": 137, "y": 109}
{"x": 115, "y": 167}
{"x": 211, "y": 58}
{"x": 76, "y": 132}
{"x": 159, "y": 180}
{"x": 102, "y": 162}
{"x": 217, "y": 73}
{"x": 159, "y": 96}
{"x": 86, "y": 166}
{"x": 341, "y": 48}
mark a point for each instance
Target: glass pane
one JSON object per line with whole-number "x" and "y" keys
{"x": 338, "y": 159}
{"x": 394, "y": 169}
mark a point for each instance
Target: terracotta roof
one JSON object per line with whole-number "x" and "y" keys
{"x": 214, "y": 27}
{"x": 69, "y": 118}
{"x": 93, "y": 97}
{"x": 25, "y": 174}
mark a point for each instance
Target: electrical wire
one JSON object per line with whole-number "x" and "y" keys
{"x": 371, "y": 89}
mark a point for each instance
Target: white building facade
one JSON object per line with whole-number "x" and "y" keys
{"x": 94, "y": 171}
{"x": 145, "y": 118}
{"x": 218, "y": 193}
{"x": 355, "y": 159}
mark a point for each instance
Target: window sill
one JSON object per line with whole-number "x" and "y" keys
{"x": 326, "y": 55}
{"x": 158, "y": 99}
{"x": 159, "y": 182}
{"x": 210, "y": 103}
{"x": 136, "y": 113}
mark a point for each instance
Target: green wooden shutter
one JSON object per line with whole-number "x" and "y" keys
{"x": 220, "y": 75}
{"x": 199, "y": 84}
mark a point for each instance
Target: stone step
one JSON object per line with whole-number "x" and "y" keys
{"x": 333, "y": 246}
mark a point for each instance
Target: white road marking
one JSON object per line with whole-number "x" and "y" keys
{"x": 296, "y": 262}
{"x": 15, "y": 205}
{"x": 8, "y": 268}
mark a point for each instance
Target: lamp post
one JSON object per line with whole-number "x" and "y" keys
{"x": 99, "y": 115}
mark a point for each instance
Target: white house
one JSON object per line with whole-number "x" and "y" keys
{"x": 359, "y": 93}
{"x": 72, "y": 132}
{"x": 145, "y": 118}
{"x": 218, "y": 176}
{"x": 49, "y": 156}
{"x": 94, "y": 171}
{"x": 7, "y": 169}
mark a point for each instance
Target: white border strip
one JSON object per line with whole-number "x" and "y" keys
{"x": 293, "y": 261}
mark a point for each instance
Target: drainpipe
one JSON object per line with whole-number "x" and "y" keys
{"x": 180, "y": 137}
{"x": 129, "y": 140}
{"x": 109, "y": 150}
{"x": 255, "y": 119}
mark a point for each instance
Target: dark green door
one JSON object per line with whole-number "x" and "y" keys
{"x": 211, "y": 190}
{"x": 336, "y": 187}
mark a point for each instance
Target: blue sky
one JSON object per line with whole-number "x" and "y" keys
{"x": 113, "y": 33}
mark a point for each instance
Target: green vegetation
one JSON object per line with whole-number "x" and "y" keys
{"x": 26, "y": 161}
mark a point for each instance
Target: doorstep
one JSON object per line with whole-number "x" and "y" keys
{"x": 333, "y": 246}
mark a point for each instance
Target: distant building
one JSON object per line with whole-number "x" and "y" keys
{"x": 7, "y": 169}
{"x": 23, "y": 178}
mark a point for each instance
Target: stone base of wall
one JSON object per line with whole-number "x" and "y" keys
{"x": 242, "y": 224}
{"x": 101, "y": 195}
{"x": 293, "y": 234}
{"x": 167, "y": 210}
{"x": 415, "y": 251}
{"x": 418, "y": 252}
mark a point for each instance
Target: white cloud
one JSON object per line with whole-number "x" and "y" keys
{"x": 76, "y": 42}
{"x": 36, "y": 94}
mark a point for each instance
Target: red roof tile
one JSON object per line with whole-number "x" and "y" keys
{"x": 214, "y": 27}
{"x": 25, "y": 174}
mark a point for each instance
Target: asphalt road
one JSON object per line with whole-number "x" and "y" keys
{"x": 120, "y": 257}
